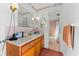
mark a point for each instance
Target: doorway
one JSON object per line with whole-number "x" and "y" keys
{"x": 54, "y": 32}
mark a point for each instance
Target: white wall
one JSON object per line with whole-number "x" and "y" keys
{"x": 5, "y": 15}
{"x": 70, "y": 15}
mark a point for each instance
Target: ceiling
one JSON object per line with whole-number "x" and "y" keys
{"x": 40, "y": 6}
{"x": 35, "y": 7}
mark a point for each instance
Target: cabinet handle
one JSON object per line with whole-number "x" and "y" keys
{"x": 30, "y": 45}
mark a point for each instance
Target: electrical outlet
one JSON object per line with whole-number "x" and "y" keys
{"x": 2, "y": 41}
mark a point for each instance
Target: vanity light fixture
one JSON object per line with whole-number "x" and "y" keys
{"x": 35, "y": 18}
{"x": 43, "y": 22}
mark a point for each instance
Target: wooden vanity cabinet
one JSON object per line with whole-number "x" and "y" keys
{"x": 39, "y": 45}
{"x": 32, "y": 48}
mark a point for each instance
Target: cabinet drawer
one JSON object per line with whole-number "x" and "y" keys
{"x": 30, "y": 52}
{"x": 27, "y": 46}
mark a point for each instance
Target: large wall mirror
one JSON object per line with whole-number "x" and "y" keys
{"x": 24, "y": 17}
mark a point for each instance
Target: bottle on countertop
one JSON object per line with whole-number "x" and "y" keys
{"x": 22, "y": 34}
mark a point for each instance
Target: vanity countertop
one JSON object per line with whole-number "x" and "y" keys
{"x": 24, "y": 40}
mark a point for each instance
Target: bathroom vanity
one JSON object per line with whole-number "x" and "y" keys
{"x": 26, "y": 46}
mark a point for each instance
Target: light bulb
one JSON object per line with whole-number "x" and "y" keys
{"x": 37, "y": 18}
{"x": 44, "y": 22}
{"x": 33, "y": 18}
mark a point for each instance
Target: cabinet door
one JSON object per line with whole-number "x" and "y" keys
{"x": 37, "y": 48}
{"x": 30, "y": 52}
{"x": 42, "y": 43}
{"x": 12, "y": 50}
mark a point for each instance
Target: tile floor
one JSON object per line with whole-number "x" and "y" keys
{"x": 48, "y": 52}
{"x": 54, "y": 45}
